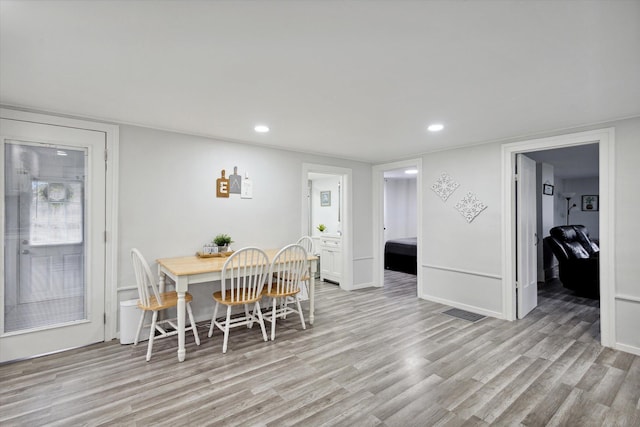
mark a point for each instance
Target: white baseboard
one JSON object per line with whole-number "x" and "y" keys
{"x": 628, "y": 348}
{"x": 466, "y": 307}
{"x": 363, "y": 285}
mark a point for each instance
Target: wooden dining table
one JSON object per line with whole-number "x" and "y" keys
{"x": 188, "y": 270}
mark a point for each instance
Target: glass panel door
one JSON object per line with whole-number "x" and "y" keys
{"x": 52, "y": 278}
{"x": 45, "y": 253}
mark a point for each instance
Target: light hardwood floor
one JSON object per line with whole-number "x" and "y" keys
{"x": 373, "y": 357}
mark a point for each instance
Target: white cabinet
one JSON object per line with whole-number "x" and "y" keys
{"x": 331, "y": 258}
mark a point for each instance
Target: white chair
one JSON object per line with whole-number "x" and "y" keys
{"x": 151, "y": 299}
{"x": 242, "y": 282}
{"x": 307, "y": 243}
{"x": 288, "y": 271}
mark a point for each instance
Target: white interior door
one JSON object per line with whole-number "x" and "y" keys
{"x": 53, "y": 286}
{"x": 527, "y": 239}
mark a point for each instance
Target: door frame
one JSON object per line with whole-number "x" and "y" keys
{"x": 112, "y": 135}
{"x": 347, "y": 217}
{"x": 605, "y": 138}
{"x": 378, "y": 219}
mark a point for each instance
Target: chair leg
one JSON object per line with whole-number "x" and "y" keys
{"x": 274, "y": 308}
{"x": 226, "y": 330}
{"x": 254, "y": 316}
{"x": 140, "y": 323}
{"x": 152, "y": 334}
{"x": 300, "y": 312}
{"x": 261, "y": 319}
{"x": 193, "y": 324}
{"x": 246, "y": 316}
{"x": 213, "y": 319}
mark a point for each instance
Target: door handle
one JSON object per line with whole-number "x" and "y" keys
{"x": 25, "y": 242}
{"x": 537, "y": 239}
{"x": 24, "y": 251}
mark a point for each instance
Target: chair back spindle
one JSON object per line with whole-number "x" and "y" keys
{"x": 243, "y": 274}
{"x": 289, "y": 268}
{"x": 307, "y": 243}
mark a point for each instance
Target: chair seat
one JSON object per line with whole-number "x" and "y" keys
{"x": 275, "y": 294}
{"x": 227, "y": 300}
{"x": 169, "y": 299}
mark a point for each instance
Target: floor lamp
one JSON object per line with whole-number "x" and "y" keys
{"x": 568, "y": 196}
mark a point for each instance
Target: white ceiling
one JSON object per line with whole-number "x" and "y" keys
{"x": 571, "y": 162}
{"x": 353, "y": 79}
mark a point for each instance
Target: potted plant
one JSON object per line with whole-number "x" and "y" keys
{"x": 589, "y": 201}
{"x": 321, "y": 228}
{"x": 222, "y": 241}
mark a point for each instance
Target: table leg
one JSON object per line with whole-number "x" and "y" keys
{"x": 162, "y": 281}
{"x": 312, "y": 297}
{"x": 181, "y": 308}
{"x": 181, "y": 315}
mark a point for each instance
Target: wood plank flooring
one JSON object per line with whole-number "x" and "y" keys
{"x": 373, "y": 357}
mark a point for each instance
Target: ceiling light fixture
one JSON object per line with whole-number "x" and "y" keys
{"x": 261, "y": 128}
{"x": 61, "y": 153}
{"x": 435, "y": 127}
{"x": 411, "y": 171}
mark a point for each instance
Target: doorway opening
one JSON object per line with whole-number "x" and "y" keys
{"x": 326, "y": 208}
{"x": 397, "y": 221}
{"x": 603, "y": 139}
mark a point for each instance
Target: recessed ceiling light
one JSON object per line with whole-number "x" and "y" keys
{"x": 435, "y": 127}
{"x": 61, "y": 153}
{"x": 411, "y": 171}
{"x": 261, "y": 128}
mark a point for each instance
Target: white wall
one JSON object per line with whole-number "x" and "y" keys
{"x": 400, "y": 208}
{"x": 582, "y": 186}
{"x": 462, "y": 261}
{"x": 168, "y": 205}
{"x": 627, "y": 234}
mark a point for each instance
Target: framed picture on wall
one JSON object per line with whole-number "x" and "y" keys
{"x": 590, "y": 203}
{"x": 547, "y": 189}
{"x": 325, "y": 198}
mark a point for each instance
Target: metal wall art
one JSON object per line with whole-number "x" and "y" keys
{"x": 246, "y": 190}
{"x": 234, "y": 185}
{"x": 470, "y": 206}
{"x": 235, "y": 182}
{"x": 444, "y": 186}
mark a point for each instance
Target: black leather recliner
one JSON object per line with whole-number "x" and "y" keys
{"x": 578, "y": 259}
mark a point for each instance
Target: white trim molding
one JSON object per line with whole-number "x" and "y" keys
{"x": 629, "y": 298}
{"x": 605, "y": 138}
{"x": 459, "y": 270}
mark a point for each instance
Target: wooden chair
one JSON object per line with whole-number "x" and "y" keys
{"x": 307, "y": 243}
{"x": 151, "y": 299}
{"x": 242, "y": 282}
{"x": 288, "y": 270}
